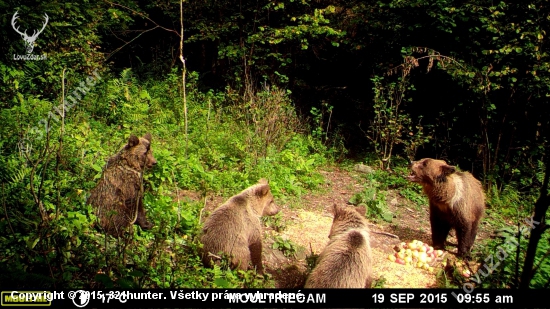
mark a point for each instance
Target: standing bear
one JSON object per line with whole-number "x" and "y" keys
{"x": 346, "y": 261}
{"x": 235, "y": 229}
{"x": 456, "y": 201}
{"x": 118, "y": 197}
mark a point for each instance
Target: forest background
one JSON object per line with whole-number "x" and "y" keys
{"x": 276, "y": 89}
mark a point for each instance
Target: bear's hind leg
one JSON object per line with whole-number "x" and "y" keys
{"x": 463, "y": 235}
{"x": 466, "y": 236}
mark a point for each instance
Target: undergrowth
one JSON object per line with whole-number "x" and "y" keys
{"x": 233, "y": 140}
{"x": 50, "y": 238}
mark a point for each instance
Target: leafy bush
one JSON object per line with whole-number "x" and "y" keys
{"x": 374, "y": 200}
{"x": 276, "y": 222}
{"x": 286, "y": 246}
{"x": 415, "y": 195}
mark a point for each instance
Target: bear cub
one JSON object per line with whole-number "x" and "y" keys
{"x": 456, "y": 201}
{"x": 235, "y": 229}
{"x": 346, "y": 261}
{"x": 118, "y": 196}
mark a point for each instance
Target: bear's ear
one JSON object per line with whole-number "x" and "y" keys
{"x": 334, "y": 209}
{"x": 148, "y": 136}
{"x": 448, "y": 169}
{"x": 239, "y": 200}
{"x": 361, "y": 210}
{"x": 133, "y": 141}
{"x": 262, "y": 190}
{"x": 263, "y": 181}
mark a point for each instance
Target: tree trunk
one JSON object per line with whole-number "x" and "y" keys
{"x": 541, "y": 206}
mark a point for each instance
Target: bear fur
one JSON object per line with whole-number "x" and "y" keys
{"x": 456, "y": 200}
{"x": 346, "y": 261}
{"x": 118, "y": 197}
{"x": 235, "y": 229}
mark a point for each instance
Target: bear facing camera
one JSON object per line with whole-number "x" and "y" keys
{"x": 456, "y": 201}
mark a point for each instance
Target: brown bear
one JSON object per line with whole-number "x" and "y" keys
{"x": 235, "y": 229}
{"x": 346, "y": 261}
{"x": 118, "y": 197}
{"x": 456, "y": 200}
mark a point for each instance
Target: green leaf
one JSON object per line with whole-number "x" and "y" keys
{"x": 97, "y": 168}
{"x": 387, "y": 216}
{"x": 143, "y": 94}
{"x": 32, "y": 244}
{"x": 222, "y": 283}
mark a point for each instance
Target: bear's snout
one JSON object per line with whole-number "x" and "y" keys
{"x": 151, "y": 162}
{"x": 413, "y": 175}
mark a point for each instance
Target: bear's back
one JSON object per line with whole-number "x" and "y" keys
{"x": 344, "y": 263}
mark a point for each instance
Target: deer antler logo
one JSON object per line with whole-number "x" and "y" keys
{"x": 29, "y": 40}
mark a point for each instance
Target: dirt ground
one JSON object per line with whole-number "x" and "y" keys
{"x": 308, "y": 222}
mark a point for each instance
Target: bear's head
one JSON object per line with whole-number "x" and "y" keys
{"x": 259, "y": 198}
{"x": 138, "y": 153}
{"x": 265, "y": 198}
{"x": 430, "y": 171}
{"x": 347, "y": 217}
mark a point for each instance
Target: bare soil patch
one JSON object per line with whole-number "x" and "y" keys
{"x": 309, "y": 228}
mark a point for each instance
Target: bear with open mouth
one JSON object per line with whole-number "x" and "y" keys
{"x": 456, "y": 200}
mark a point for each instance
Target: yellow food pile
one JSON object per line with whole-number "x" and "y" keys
{"x": 416, "y": 253}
